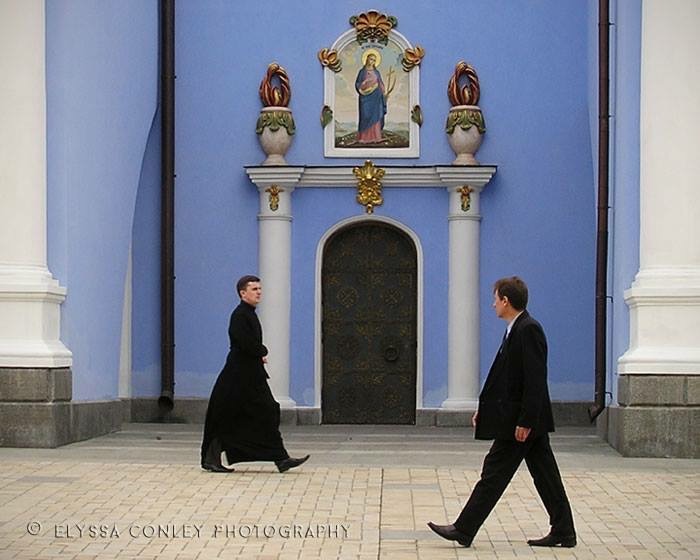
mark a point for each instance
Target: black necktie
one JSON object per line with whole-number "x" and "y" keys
{"x": 503, "y": 342}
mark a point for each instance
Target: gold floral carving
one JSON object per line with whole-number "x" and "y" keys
{"x": 369, "y": 185}
{"x": 330, "y": 59}
{"x": 373, "y": 26}
{"x": 274, "y": 192}
{"x": 412, "y": 58}
{"x": 465, "y": 196}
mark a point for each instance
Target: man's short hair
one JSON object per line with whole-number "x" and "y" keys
{"x": 243, "y": 282}
{"x": 514, "y": 289}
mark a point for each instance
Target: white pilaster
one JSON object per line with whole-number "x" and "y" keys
{"x": 463, "y": 300}
{"x": 275, "y": 244}
{"x": 664, "y": 299}
{"x": 30, "y": 297}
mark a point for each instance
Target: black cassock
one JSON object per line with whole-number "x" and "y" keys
{"x": 242, "y": 413}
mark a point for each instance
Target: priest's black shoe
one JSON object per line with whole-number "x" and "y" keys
{"x": 290, "y": 462}
{"x": 451, "y": 533}
{"x": 212, "y": 459}
{"x": 565, "y": 541}
{"x": 215, "y": 468}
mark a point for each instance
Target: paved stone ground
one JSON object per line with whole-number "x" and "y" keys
{"x": 367, "y": 493}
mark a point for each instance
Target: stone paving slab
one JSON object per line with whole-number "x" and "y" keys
{"x": 366, "y": 493}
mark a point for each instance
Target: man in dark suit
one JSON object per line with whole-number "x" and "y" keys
{"x": 515, "y": 411}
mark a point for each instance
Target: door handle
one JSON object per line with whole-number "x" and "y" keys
{"x": 391, "y": 353}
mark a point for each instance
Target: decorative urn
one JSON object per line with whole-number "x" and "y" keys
{"x": 465, "y": 122}
{"x": 275, "y": 126}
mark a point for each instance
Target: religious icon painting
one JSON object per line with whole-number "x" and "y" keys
{"x": 371, "y": 84}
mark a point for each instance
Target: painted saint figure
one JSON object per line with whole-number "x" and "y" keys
{"x": 372, "y": 101}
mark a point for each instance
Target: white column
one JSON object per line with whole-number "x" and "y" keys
{"x": 30, "y": 297}
{"x": 275, "y": 228}
{"x": 463, "y": 301}
{"x": 664, "y": 299}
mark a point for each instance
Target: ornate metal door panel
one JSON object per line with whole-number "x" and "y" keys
{"x": 369, "y": 326}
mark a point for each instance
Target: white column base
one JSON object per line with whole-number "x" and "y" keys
{"x": 664, "y": 309}
{"x": 286, "y": 402}
{"x": 30, "y": 307}
{"x": 460, "y": 404}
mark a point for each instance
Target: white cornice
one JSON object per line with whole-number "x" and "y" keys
{"x": 330, "y": 176}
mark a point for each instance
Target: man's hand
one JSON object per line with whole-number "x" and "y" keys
{"x": 521, "y": 433}
{"x": 475, "y": 417}
{"x": 264, "y": 359}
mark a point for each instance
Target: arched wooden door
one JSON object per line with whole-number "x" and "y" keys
{"x": 369, "y": 297}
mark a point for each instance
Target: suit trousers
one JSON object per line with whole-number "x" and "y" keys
{"x": 500, "y": 465}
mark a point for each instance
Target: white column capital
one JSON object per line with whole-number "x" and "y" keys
{"x": 275, "y": 202}
{"x": 476, "y": 177}
{"x": 463, "y": 202}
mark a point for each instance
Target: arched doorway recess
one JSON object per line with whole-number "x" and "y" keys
{"x": 369, "y": 326}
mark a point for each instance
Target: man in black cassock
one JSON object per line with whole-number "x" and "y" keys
{"x": 243, "y": 417}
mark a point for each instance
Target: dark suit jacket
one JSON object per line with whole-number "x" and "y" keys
{"x": 515, "y": 392}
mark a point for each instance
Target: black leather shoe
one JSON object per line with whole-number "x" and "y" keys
{"x": 290, "y": 463}
{"x": 565, "y": 541}
{"x": 451, "y": 533}
{"x": 212, "y": 459}
{"x": 215, "y": 468}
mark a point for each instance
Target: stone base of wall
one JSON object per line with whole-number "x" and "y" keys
{"x": 657, "y": 416}
{"x": 185, "y": 410}
{"x": 566, "y": 413}
{"x": 193, "y": 411}
{"x": 36, "y": 410}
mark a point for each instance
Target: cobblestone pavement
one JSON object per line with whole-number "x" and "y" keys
{"x": 367, "y": 493}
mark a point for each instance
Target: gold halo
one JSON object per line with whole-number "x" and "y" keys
{"x": 376, "y": 54}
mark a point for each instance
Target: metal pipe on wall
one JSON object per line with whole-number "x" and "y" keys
{"x": 601, "y": 281}
{"x": 167, "y": 112}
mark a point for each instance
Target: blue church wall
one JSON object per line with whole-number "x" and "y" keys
{"x": 533, "y": 61}
{"x": 102, "y": 68}
{"x": 145, "y": 248}
{"x": 538, "y": 212}
{"x": 625, "y": 164}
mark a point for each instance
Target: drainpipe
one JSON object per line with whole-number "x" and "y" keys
{"x": 167, "y": 112}
{"x": 601, "y": 281}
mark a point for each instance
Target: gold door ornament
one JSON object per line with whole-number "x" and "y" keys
{"x": 369, "y": 185}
